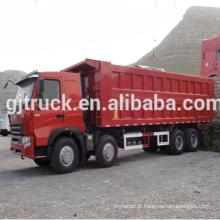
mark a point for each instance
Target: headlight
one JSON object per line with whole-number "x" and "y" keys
{"x": 26, "y": 141}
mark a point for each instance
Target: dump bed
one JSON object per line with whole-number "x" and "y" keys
{"x": 105, "y": 81}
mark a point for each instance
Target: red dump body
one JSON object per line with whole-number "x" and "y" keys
{"x": 106, "y": 81}
{"x": 210, "y": 57}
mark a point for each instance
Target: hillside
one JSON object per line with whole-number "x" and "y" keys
{"x": 180, "y": 50}
{"x": 10, "y": 91}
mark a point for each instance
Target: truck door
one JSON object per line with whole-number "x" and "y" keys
{"x": 45, "y": 121}
{"x": 72, "y": 91}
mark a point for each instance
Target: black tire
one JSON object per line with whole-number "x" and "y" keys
{"x": 69, "y": 150}
{"x": 101, "y": 158}
{"x": 42, "y": 162}
{"x": 4, "y": 133}
{"x": 177, "y": 142}
{"x": 153, "y": 147}
{"x": 192, "y": 140}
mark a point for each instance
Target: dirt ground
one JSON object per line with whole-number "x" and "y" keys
{"x": 140, "y": 185}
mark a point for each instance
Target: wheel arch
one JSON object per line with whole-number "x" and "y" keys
{"x": 73, "y": 133}
{"x": 184, "y": 126}
{"x": 212, "y": 76}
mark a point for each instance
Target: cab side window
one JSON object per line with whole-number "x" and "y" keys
{"x": 51, "y": 90}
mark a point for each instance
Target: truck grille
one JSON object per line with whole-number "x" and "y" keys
{"x": 17, "y": 127}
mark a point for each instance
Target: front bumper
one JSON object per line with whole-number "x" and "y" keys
{"x": 18, "y": 148}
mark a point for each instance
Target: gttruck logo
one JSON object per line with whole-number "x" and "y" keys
{"x": 124, "y": 102}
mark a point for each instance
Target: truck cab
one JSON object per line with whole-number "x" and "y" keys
{"x": 210, "y": 57}
{"x": 35, "y": 131}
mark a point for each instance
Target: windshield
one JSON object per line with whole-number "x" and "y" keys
{"x": 26, "y": 88}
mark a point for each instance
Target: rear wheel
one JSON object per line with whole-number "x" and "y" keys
{"x": 42, "y": 162}
{"x": 65, "y": 155}
{"x": 153, "y": 147}
{"x": 177, "y": 142}
{"x": 192, "y": 140}
{"x": 4, "y": 133}
{"x": 106, "y": 151}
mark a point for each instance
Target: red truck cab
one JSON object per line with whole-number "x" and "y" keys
{"x": 41, "y": 128}
{"x": 210, "y": 57}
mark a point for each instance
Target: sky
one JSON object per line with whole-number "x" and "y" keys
{"x": 50, "y": 35}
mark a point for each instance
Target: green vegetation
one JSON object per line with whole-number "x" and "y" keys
{"x": 211, "y": 139}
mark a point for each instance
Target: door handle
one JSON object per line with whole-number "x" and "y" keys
{"x": 60, "y": 116}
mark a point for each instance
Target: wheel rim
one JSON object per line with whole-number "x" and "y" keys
{"x": 108, "y": 152}
{"x": 66, "y": 156}
{"x": 193, "y": 140}
{"x": 179, "y": 142}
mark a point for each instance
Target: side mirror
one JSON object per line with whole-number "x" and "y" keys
{"x": 40, "y": 91}
{"x": 6, "y": 85}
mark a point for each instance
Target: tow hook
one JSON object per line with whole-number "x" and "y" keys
{"x": 22, "y": 157}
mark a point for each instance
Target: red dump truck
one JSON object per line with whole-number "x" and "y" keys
{"x": 64, "y": 137}
{"x": 210, "y": 57}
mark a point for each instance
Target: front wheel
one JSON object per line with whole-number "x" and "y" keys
{"x": 106, "y": 151}
{"x": 65, "y": 155}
